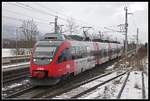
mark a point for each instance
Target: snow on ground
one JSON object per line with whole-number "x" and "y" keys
{"x": 14, "y": 65}
{"x": 7, "y": 52}
{"x": 95, "y": 82}
{"x": 146, "y": 85}
{"x": 110, "y": 67}
{"x": 85, "y": 87}
{"x": 133, "y": 88}
{"x": 107, "y": 91}
{"x": 15, "y": 85}
{"x": 146, "y": 78}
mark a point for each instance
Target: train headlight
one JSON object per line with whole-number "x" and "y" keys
{"x": 50, "y": 60}
{"x": 34, "y": 60}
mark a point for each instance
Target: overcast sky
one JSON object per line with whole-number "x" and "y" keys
{"x": 95, "y": 14}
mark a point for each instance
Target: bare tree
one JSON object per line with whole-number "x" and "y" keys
{"x": 30, "y": 31}
{"x": 72, "y": 26}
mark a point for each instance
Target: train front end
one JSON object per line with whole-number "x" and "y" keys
{"x": 42, "y": 63}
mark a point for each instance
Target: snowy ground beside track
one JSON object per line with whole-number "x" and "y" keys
{"x": 8, "y": 52}
{"x": 109, "y": 91}
{"x": 132, "y": 90}
{"x": 15, "y": 65}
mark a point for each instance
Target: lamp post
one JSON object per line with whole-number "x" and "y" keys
{"x": 16, "y": 41}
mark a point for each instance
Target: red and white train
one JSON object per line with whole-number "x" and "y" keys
{"x": 52, "y": 60}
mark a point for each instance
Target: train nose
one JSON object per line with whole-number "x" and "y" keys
{"x": 39, "y": 74}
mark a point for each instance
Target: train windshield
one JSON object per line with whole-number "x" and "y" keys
{"x": 43, "y": 55}
{"x": 44, "y": 52}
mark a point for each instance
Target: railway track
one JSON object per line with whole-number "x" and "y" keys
{"x": 68, "y": 87}
{"x": 57, "y": 90}
{"x": 35, "y": 92}
{"x": 143, "y": 87}
{"x": 13, "y": 77}
{"x": 79, "y": 78}
{"x": 124, "y": 83}
{"x": 100, "y": 84}
{"x": 15, "y": 59}
{"x": 15, "y": 74}
{"x": 78, "y": 93}
{"x": 143, "y": 95}
{"x": 17, "y": 93}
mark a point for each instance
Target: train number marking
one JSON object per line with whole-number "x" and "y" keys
{"x": 67, "y": 66}
{"x": 40, "y": 68}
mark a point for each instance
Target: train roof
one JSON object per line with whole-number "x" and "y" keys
{"x": 61, "y": 37}
{"x": 53, "y": 37}
{"x": 48, "y": 43}
{"x": 80, "y": 38}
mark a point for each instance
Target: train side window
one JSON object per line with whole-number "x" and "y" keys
{"x": 61, "y": 58}
{"x": 99, "y": 53}
{"x": 112, "y": 51}
{"x": 102, "y": 51}
{"x": 65, "y": 55}
{"x": 79, "y": 52}
{"x": 68, "y": 54}
{"x": 84, "y": 53}
{"x": 73, "y": 52}
{"x": 105, "y": 52}
{"x": 116, "y": 50}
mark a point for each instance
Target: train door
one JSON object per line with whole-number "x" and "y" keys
{"x": 65, "y": 62}
{"x": 109, "y": 51}
{"x": 80, "y": 58}
{"x": 96, "y": 47}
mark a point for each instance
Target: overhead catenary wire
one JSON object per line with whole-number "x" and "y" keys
{"x": 67, "y": 17}
{"x": 63, "y": 14}
{"x": 23, "y": 7}
{"x": 20, "y": 20}
{"x": 50, "y": 9}
{"x": 27, "y": 7}
{"x": 41, "y": 11}
{"x": 25, "y": 15}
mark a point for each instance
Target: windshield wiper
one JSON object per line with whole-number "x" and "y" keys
{"x": 41, "y": 57}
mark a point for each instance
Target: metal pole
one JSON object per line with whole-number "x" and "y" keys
{"x": 137, "y": 41}
{"x": 16, "y": 42}
{"x": 56, "y": 17}
{"x": 100, "y": 35}
{"x": 61, "y": 28}
{"x": 86, "y": 30}
{"x": 126, "y": 30}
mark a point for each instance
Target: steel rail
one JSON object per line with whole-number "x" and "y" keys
{"x": 143, "y": 87}
{"x": 62, "y": 90}
{"x": 93, "y": 88}
{"x": 122, "y": 88}
{"x": 13, "y": 95}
